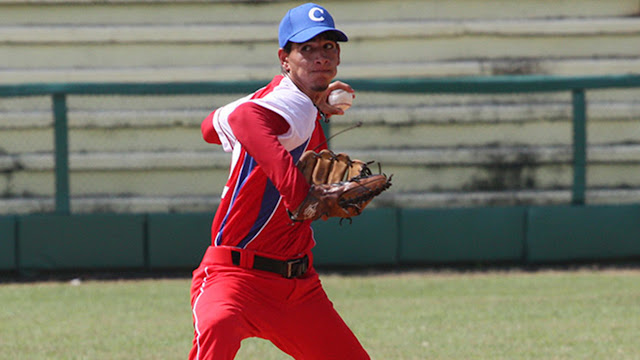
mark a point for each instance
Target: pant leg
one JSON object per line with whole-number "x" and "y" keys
{"x": 218, "y": 316}
{"x": 313, "y": 330}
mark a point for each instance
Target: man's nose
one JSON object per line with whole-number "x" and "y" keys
{"x": 322, "y": 57}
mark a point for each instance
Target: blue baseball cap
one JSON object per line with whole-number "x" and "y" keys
{"x": 304, "y": 22}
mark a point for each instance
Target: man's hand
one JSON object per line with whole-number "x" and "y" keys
{"x": 324, "y": 105}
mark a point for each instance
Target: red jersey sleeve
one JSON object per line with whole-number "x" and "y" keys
{"x": 257, "y": 129}
{"x": 209, "y": 134}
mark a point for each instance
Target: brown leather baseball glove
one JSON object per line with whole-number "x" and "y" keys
{"x": 340, "y": 186}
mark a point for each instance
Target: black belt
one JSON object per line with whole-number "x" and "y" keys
{"x": 288, "y": 268}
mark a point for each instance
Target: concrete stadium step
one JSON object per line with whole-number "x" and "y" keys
{"x": 416, "y": 170}
{"x": 547, "y": 133}
{"x": 446, "y": 68}
{"x": 258, "y": 33}
{"x": 199, "y": 203}
{"x": 102, "y": 125}
{"x": 384, "y": 42}
{"x": 113, "y": 203}
{"x": 506, "y": 198}
{"x": 241, "y": 11}
{"x": 116, "y": 110}
{"x": 111, "y": 111}
{"x": 35, "y": 111}
{"x": 171, "y": 52}
{"x": 475, "y": 67}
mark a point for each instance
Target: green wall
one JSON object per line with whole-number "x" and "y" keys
{"x": 462, "y": 235}
{"x": 378, "y": 237}
{"x": 81, "y": 241}
{"x": 576, "y": 233}
{"x": 370, "y": 239}
{"x": 177, "y": 240}
{"x": 8, "y": 243}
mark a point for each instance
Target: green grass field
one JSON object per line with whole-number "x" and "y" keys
{"x": 585, "y": 314}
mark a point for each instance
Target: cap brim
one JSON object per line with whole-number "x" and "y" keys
{"x": 308, "y": 34}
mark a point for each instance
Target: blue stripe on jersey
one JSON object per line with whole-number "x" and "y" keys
{"x": 270, "y": 201}
{"x": 297, "y": 152}
{"x": 247, "y": 167}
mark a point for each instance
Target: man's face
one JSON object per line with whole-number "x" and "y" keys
{"x": 312, "y": 65}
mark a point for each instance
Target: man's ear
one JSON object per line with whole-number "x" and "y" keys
{"x": 284, "y": 60}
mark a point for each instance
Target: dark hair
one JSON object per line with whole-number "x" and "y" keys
{"x": 327, "y": 35}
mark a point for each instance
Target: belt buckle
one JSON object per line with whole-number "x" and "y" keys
{"x": 291, "y": 265}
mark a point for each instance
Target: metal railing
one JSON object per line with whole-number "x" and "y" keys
{"x": 465, "y": 85}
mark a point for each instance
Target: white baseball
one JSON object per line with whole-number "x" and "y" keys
{"x": 341, "y": 99}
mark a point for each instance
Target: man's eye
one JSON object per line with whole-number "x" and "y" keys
{"x": 329, "y": 46}
{"x": 306, "y": 48}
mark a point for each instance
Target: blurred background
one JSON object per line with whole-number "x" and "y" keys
{"x": 472, "y": 172}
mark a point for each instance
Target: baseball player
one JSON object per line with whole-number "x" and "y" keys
{"x": 257, "y": 278}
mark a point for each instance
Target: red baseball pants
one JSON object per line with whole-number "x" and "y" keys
{"x": 231, "y": 303}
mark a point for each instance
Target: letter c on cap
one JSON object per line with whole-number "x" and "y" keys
{"x": 312, "y": 14}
